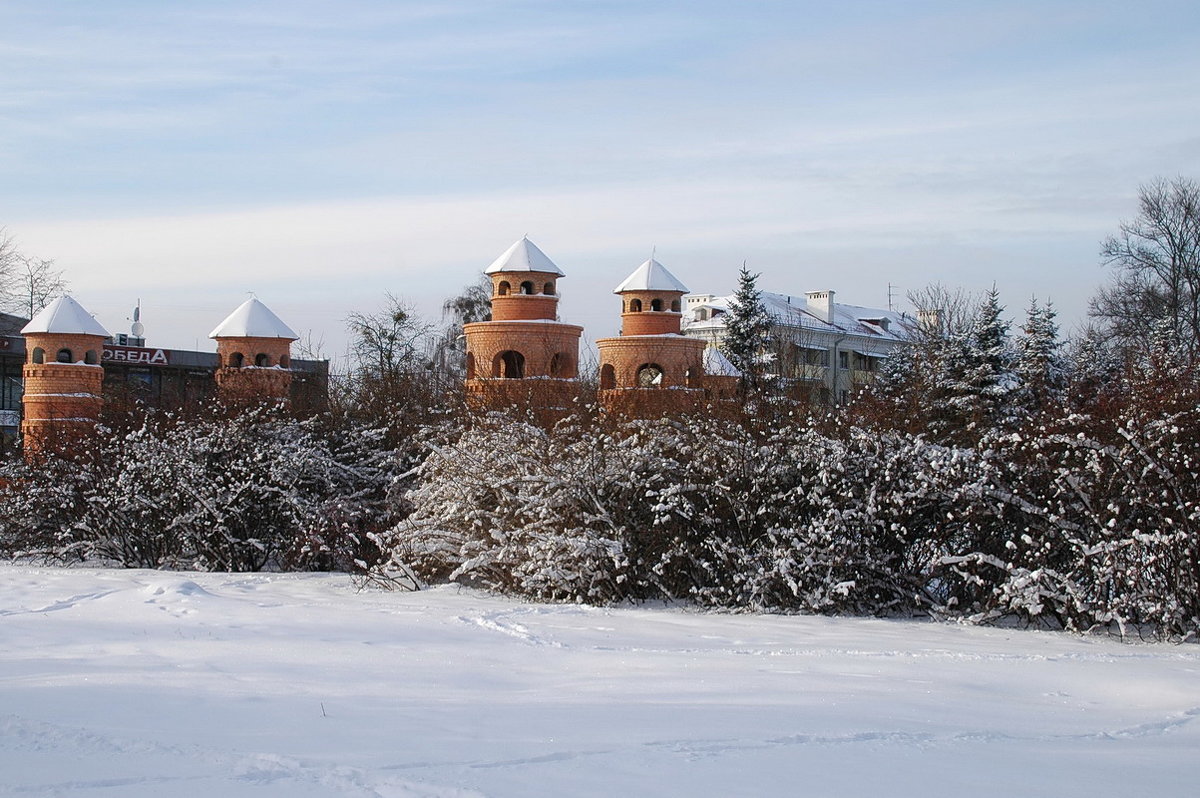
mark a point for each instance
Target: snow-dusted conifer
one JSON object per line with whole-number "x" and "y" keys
{"x": 1039, "y": 365}
{"x": 747, "y": 327}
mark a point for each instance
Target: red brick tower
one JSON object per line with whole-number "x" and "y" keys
{"x": 63, "y": 376}
{"x": 524, "y": 356}
{"x": 255, "y": 352}
{"x": 652, "y": 368}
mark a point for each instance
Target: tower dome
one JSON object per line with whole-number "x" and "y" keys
{"x": 651, "y": 368}
{"x": 524, "y": 355}
{"x": 254, "y": 352}
{"x": 63, "y": 376}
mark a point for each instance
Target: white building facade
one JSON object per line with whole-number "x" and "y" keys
{"x": 820, "y": 350}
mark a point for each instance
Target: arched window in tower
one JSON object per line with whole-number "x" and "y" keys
{"x": 527, "y": 287}
{"x": 656, "y": 305}
{"x": 470, "y": 365}
{"x": 608, "y": 377}
{"x": 675, "y": 306}
{"x": 39, "y": 355}
{"x": 509, "y": 365}
{"x": 91, "y": 358}
{"x": 560, "y": 365}
{"x": 285, "y": 361}
{"x": 635, "y": 306}
{"x": 65, "y": 356}
{"x": 548, "y": 289}
{"x": 503, "y": 288}
{"x": 237, "y": 360}
{"x": 261, "y": 359}
{"x": 649, "y": 375}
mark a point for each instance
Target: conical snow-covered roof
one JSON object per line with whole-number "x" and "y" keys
{"x": 253, "y": 319}
{"x": 716, "y": 364}
{"x": 651, "y": 276}
{"x": 66, "y": 317}
{"x": 523, "y": 256}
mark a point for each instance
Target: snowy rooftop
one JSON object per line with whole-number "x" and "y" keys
{"x": 253, "y": 319}
{"x": 651, "y": 276}
{"x": 523, "y": 256}
{"x": 716, "y": 364}
{"x": 64, "y": 316}
{"x": 794, "y": 311}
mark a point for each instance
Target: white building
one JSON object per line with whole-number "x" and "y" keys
{"x": 821, "y": 349}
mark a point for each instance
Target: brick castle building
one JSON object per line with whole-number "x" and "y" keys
{"x": 71, "y": 369}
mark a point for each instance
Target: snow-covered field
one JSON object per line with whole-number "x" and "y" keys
{"x": 140, "y": 683}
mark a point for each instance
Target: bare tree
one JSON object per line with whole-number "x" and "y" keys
{"x": 472, "y": 304}
{"x": 953, "y": 309}
{"x": 390, "y": 344}
{"x": 27, "y": 284}
{"x": 1156, "y": 257}
{"x": 10, "y": 258}
{"x": 36, "y": 284}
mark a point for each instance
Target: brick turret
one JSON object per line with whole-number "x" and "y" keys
{"x": 255, "y": 352}
{"x": 524, "y": 355}
{"x": 651, "y": 368}
{"x": 63, "y": 377}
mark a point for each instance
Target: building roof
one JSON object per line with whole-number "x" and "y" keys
{"x": 253, "y": 319}
{"x": 64, "y": 316}
{"x": 716, "y": 364}
{"x": 791, "y": 311}
{"x": 651, "y": 276}
{"x": 523, "y": 256}
{"x": 11, "y": 325}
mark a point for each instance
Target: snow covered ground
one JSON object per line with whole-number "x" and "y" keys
{"x": 140, "y": 683}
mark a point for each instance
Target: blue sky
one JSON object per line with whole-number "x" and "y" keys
{"x": 320, "y": 154}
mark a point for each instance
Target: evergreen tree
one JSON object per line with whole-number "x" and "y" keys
{"x": 747, "y": 327}
{"x": 1039, "y": 362}
{"x": 984, "y": 380}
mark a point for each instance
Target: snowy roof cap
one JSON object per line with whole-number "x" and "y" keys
{"x": 716, "y": 364}
{"x": 65, "y": 316}
{"x": 651, "y": 276}
{"x": 523, "y": 256}
{"x": 253, "y": 319}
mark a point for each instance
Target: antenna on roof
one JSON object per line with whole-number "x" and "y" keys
{"x": 653, "y": 251}
{"x": 891, "y": 294}
{"x": 137, "y": 329}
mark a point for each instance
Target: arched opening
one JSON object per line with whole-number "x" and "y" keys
{"x": 470, "y": 365}
{"x": 261, "y": 359}
{"x": 608, "y": 377}
{"x": 39, "y": 355}
{"x": 91, "y": 358}
{"x": 285, "y": 361}
{"x": 548, "y": 289}
{"x": 689, "y": 378}
{"x": 527, "y": 287}
{"x": 503, "y": 288}
{"x": 560, "y": 365}
{"x": 65, "y": 356}
{"x": 656, "y": 305}
{"x": 509, "y": 365}
{"x": 675, "y": 306}
{"x": 635, "y": 306}
{"x": 650, "y": 375}
{"x": 237, "y": 360}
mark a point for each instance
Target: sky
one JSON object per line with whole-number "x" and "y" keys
{"x": 322, "y": 155}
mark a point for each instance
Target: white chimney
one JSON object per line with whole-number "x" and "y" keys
{"x": 820, "y": 304}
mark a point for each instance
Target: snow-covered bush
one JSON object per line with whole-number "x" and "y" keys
{"x": 721, "y": 514}
{"x": 254, "y": 491}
